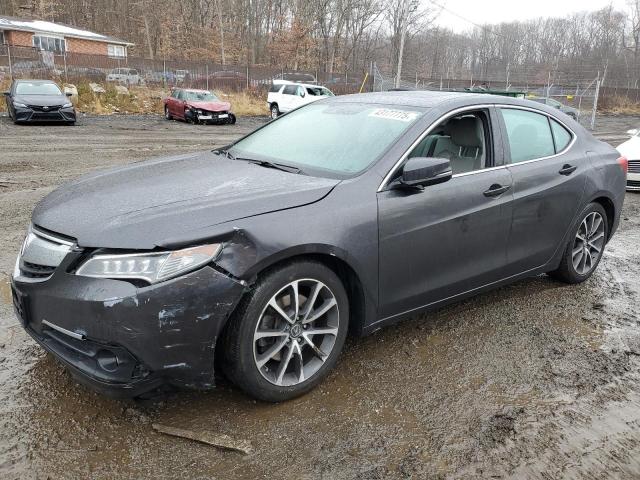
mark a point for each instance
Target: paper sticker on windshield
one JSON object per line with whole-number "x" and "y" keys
{"x": 390, "y": 114}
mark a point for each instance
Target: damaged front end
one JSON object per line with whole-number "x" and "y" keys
{"x": 201, "y": 115}
{"x": 122, "y": 336}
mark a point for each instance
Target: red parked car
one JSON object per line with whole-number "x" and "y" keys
{"x": 197, "y": 106}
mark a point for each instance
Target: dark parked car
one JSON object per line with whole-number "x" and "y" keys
{"x": 38, "y": 101}
{"x": 572, "y": 112}
{"x": 347, "y": 214}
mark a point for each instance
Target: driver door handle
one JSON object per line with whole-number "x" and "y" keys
{"x": 567, "y": 169}
{"x": 496, "y": 190}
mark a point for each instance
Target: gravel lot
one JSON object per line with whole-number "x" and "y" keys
{"x": 535, "y": 380}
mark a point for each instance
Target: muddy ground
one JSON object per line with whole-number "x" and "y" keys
{"x": 535, "y": 380}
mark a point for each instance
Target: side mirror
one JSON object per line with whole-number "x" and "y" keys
{"x": 420, "y": 172}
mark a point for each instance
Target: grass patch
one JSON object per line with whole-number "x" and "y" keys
{"x": 617, "y": 105}
{"x": 144, "y": 100}
{"x": 5, "y": 83}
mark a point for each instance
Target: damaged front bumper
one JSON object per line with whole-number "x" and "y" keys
{"x": 125, "y": 340}
{"x": 206, "y": 116}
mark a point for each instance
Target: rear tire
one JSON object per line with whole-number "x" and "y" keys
{"x": 273, "y": 354}
{"x": 275, "y": 111}
{"x": 167, "y": 114}
{"x": 585, "y": 246}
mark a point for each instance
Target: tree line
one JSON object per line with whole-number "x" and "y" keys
{"x": 352, "y": 35}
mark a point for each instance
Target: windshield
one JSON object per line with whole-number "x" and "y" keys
{"x": 319, "y": 91}
{"x": 28, "y": 88}
{"x": 336, "y": 140}
{"x": 199, "y": 97}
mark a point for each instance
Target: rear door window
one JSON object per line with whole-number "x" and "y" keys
{"x": 529, "y": 135}
{"x": 290, "y": 90}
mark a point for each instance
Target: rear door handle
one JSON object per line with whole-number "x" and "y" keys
{"x": 496, "y": 189}
{"x": 567, "y": 169}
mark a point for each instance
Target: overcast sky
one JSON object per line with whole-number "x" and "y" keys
{"x": 496, "y": 11}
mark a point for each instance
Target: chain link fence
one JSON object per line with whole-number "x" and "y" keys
{"x": 579, "y": 98}
{"x": 25, "y": 62}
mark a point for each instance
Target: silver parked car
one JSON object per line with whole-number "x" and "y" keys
{"x": 128, "y": 76}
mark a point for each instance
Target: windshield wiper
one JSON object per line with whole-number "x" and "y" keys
{"x": 262, "y": 163}
{"x": 277, "y": 166}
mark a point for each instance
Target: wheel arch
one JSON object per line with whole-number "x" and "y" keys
{"x": 362, "y": 306}
{"x": 609, "y": 208}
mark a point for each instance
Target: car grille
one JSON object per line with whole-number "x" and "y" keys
{"x": 39, "y": 108}
{"x": 33, "y": 270}
{"x": 633, "y": 183}
{"x": 40, "y": 255}
{"x": 42, "y": 116}
{"x": 634, "y": 166}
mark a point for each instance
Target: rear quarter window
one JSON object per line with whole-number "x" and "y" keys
{"x": 275, "y": 88}
{"x": 561, "y": 136}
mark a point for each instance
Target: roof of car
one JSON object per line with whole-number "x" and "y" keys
{"x": 195, "y": 90}
{"x": 417, "y": 98}
{"x": 26, "y": 80}
{"x": 425, "y": 98}
{"x": 305, "y": 85}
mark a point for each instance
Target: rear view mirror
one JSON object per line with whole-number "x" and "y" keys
{"x": 424, "y": 171}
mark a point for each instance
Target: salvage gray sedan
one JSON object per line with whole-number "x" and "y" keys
{"x": 345, "y": 215}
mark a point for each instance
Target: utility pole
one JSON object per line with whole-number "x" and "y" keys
{"x": 404, "y": 20}
{"x": 595, "y": 102}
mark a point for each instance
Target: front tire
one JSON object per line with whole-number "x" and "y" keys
{"x": 585, "y": 246}
{"x": 287, "y": 334}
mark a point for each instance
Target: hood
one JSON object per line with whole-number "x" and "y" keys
{"x": 42, "y": 100}
{"x": 211, "y": 106}
{"x": 159, "y": 202}
{"x": 630, "y": 148}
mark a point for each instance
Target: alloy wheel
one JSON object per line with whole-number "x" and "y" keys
{"x": 274, "y": 112}
{"x": 588, "y": 244}
{"x": 296, "y": 332}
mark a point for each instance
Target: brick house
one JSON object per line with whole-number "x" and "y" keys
{"x": 59, "y": 38}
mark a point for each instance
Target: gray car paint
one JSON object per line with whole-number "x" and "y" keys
{"x": 401, "y": 252}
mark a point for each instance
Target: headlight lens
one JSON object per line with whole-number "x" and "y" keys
{"x": 153, "y": 267}
{"x": 19, "y": 105}
{"x": 67, "y": 105}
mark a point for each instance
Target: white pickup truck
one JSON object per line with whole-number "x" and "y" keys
{"x": 285, "y": 96}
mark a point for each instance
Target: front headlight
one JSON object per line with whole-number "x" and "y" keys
{"x": 67, "y": 105}
{"x": 19, "y": 105}
{"x": 152, "y": 267}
